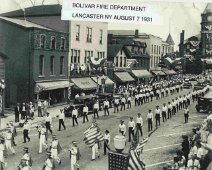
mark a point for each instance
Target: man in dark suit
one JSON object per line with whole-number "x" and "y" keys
{"x": 17, "y": 112}
{"x": 185, "y": 148}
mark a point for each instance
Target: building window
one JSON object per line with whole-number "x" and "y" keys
{"x": 152, "y": 48}
{"x": 63, "y": 42}
{"x": 61, "y": 65}
{"x": 101, "y": 37}
{"x": 89, "y": 34}
{"x": 117, "y": 61}
{"x": 78, "y": 33}
{"x": 120, "y": 61}
{"x": 125, "y": 62}
{"x": 103, "y": 54}
{"x": 159, "y": 50}
{"x": 52, "y": 65}
{"x": 72, "y": 51}
{"x": 121, "y": 52}
{"x": 41, "y": 65}
{"x": 42, "y": 41}
{"x": 53, "y": 42}
{"x": 78, "y": 56}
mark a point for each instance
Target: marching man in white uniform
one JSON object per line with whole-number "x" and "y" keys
{"x": 49, "y": 162}
{"x": 95, "y": 151}
{"x": 8, "y": 141}
{"x": 42, "y": 136}
{"x": 73, "y": 155}
{"x": 55, "y": 149}
{"x": 2, "y": 150}
{"x": 26, "y": 160}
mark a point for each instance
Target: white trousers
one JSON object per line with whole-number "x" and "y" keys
{"x": 95, "y": 151}
{"x": 42, "y": 143}
{"x": 54, "y": 155}
{"x": 8, "y": 145}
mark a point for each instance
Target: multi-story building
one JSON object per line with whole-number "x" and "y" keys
{"x": 206, "y": 32}
{"x": 36, "y": 66}
{"x": 154, "y": 44}
{"x": 86, "y": 39}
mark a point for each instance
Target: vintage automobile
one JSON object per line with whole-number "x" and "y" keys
{"x": 204, "y": 103}
{"x": 199, "y": 86}
{"x": 187, "y": 84}
{"x": 79, "y": 102}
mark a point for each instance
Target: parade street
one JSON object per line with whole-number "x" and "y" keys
{"x": 160, "y": 148}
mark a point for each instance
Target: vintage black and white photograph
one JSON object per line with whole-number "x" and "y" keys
{"x": 90, "y": 93}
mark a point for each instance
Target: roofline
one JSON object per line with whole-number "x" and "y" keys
{"x": 30, "y": 28}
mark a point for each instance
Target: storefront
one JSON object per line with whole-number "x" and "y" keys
{"x": 158, "y": 74}
{"x": 169, "y": 73}
{"x": 142, "y": 76}
{"x": 105, "y": 83}
{"x": 83, "y": 84}
{"x": 53, "y": 91}
{"x": 123, "y": 78}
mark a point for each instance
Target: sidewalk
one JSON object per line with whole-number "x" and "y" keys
{"x": 10, "y": 116}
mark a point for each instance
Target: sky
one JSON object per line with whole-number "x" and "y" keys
{"x": 176, "y": 17}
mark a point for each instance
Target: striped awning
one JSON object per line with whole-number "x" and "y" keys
{"x": 124, "y": 76}
{"x": 141, "y": 73}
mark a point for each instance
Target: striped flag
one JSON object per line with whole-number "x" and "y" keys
{"x": 93, "y": 134}
{"x": 135, "y": 163}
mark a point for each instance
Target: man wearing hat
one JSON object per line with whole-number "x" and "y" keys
{"x": 14, "y": 132}
{"x": 157, "y": 115}
{"x": 139, "y": 123}
{"x": 122, "y": 128}
{"x": 48, "y": 120}
{"x": 26, "y": 160}
{"x": 55, "y": 149}
{"x": 74, "y": 116}
{"x": 17, "y": 112}
{"x": 49, "y": 162}
{"x": 26, "y": 130}
{"x": 8, "y": 141}
{"x": 42, "y": 142}
{"x": 131, "y": 127}
{"x": 74, "y": 152}
{"x": 61, "y": 119}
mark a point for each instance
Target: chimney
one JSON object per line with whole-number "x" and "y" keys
{"x": 136, "y": 33}
{"x": 182, "y": 37}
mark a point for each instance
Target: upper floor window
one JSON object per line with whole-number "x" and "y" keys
{"x": 101, "y": 37}
{"x": 61, "y": 65}
{"x": 52, "y": 65}
{"x": 63, "y": 43}
{"x": 53, "y": 42}
{"x": 42, "y": 41}
{"x": 89, "y": 34}
{"x": 78, "y": 32}
{"x": 41, "y": 65}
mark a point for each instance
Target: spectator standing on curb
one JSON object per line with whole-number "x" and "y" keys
{"x": 17, "y": 112}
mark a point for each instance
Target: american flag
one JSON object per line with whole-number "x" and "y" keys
{"x": 134, "y": 162}
{"x": 93, "y": 134}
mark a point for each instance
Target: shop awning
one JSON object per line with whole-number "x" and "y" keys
{"x": 158, "y": 72}
{"x": 85, "y": 83}
{"x": 108, "y": 81}
{"x": 141, "y": 73}
{"x": 124, "y": 76}
{"x": 169, "y": 72}
{"x": 51, "y": 85}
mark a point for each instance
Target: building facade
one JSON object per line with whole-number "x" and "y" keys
{"x": 36, "y": 69}
{"x": 206, "y": 32}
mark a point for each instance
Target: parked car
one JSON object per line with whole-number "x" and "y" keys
{"x": 79, "y": 102}
{"x": 187, "y": 84}
{"x": 199, "y": 86}
{"x": 204, "y": 103}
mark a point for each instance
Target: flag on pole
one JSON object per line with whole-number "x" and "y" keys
{"x": 93, "y": 134}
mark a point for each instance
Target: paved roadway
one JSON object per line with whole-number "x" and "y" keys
{"x": 160, "y": 148}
